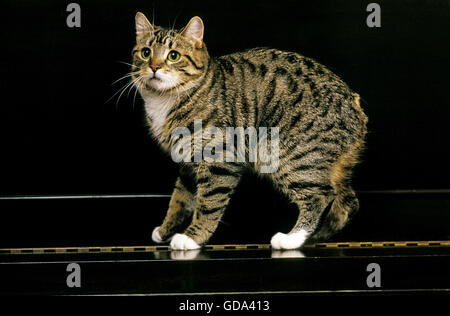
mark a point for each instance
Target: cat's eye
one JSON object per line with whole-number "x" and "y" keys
{"x": 146, "y": 52}
{"x": 174, "y": 56}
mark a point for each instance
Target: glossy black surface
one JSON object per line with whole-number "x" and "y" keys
{"x": 229, "y": 271}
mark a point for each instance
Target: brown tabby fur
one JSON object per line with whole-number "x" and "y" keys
{"x": 322, "y": 127}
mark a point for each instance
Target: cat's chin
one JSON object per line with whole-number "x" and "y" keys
{"x": 156, "y": 84}
{"x": 160, "y": 82}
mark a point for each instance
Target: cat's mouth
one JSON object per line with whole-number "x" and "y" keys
{"x": 150, "y": 83}
{"x": 158, "y": 81}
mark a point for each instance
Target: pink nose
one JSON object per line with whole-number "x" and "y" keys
{"x": 155, "y": 67}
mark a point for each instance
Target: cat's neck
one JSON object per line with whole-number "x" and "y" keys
{"x": 157, "y": 107}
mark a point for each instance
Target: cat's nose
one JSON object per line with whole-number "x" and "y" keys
{"x": 155, "y": 67}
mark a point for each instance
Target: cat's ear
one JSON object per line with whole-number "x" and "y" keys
{"x": 142, "y": 24}
{"x": 194, "y": 30}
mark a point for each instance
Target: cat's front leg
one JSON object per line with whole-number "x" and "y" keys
{"x": 215, "y": 185}
{"x": 179, "y": 214}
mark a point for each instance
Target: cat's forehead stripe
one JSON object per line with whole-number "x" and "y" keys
{"x": 150, "y": 42}
{"x": 162, "y": 36}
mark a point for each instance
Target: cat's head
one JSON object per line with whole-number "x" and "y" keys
{"x": 168, "y": 60}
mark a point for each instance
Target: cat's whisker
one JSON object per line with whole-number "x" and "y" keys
{"x": 129, "y": 87}
{"x": 128, "y": 64}
{"x": 121, "y": 91}
{"x": 153, "y": 16}
{"x": 175, "y": 20}
{"x": 126, "y": 76}
{"x": 117, "y": 92}
{"x": 133, "y": 85}
{"x": 137, "y": 86}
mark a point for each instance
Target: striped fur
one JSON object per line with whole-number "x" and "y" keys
{"x": 322, "y": 126}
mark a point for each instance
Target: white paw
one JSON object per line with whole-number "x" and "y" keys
{"x": 287, "y": 254}
{"x": 289, "y": 241}
{"x": 156, "y": 237}
{"x": 183, "y": 242}
{"x": 184, "y": 254}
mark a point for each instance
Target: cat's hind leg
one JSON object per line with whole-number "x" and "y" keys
{"x": 307, "y": 184}
{"x": 179, "y": 214}
{"x": 346, "y": 203}
{"x": 343, "y": 207}
{"x": 311, "y": 203}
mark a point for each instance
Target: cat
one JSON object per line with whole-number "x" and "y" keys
{"x": 321, "y": 125}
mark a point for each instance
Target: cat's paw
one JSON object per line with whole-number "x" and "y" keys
{"x": 291, "y": 253}
{"x": 289, "y": 241}
{"x": 156, "y": 237}
{"x": 184, "y": 254}
{"x": 183, "y": 242}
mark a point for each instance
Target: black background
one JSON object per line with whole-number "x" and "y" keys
{"x": 60, "y": 133}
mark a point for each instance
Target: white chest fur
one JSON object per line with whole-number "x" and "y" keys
{"x": 157, "y": 108}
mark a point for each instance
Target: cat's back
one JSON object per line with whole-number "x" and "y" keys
{"x": 288, "y": 85}
{"x": 266, "y": 61}
{"x": 261, "y": 62}
{"x": 288, "y": 72}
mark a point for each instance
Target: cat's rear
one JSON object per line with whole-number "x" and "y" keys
{"x": 345, "y": 203}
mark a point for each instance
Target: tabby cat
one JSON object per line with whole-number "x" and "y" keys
{"x": 321, "y": 129}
